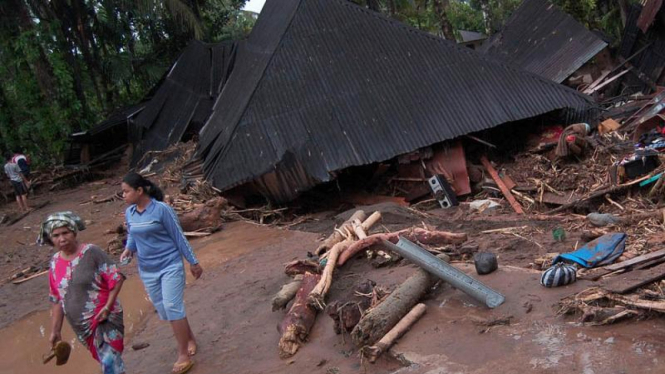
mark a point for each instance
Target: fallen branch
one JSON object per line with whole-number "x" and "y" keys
{"x": 414, "y": 234}
{"x": 318, "y": 295}
{"x": 297, "y": 323}
{"x": 373, "y": 352}
{"x": 19, "y": 281}
{"x": 337, "y": 235}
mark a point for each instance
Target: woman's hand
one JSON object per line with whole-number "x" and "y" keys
{"x": 196, "y": 270}
{"x": 54, "y": 338}
{"x": 125, "y": 255}
{"x": 103, "y": 314}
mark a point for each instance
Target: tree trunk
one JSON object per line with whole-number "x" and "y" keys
{"x": 441, "y": 6}
{"x": 382, "y": 318}
{"x": 487, "y": 16}
{"x": 40, "y": 66}
{"x": 373, "y": 5}
{"x": 299, "y": 320}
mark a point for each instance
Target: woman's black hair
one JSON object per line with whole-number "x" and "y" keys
{"x": 136, "y": 180}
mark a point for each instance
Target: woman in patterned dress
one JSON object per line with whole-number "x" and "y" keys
{"x": 84, "y": 286}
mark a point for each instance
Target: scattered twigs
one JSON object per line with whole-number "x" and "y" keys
{"x": 373, "y": 352}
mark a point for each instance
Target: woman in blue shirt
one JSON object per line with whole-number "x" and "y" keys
{"x": 154, "y": 233}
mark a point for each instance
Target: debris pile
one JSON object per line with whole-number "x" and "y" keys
{"x": 373, "y": 317}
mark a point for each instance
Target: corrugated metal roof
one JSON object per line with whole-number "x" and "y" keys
{"x": 322, "y": 85}
{"x": 540, "y": 38}
{"x": 648, "y": 14}
{"x": 185, "y": 96}
{"x": 471, "y": 36}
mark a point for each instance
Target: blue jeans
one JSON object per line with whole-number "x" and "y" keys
{"x": 166, "y": 288}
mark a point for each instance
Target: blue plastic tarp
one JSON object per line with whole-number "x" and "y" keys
{"x": 599, "y": 252}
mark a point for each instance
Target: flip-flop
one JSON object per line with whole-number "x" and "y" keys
{"x": 182, "y": 367}
{"x": 191, "y": 350}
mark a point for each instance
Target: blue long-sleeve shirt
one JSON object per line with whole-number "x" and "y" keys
{"x": 156, "y": 236}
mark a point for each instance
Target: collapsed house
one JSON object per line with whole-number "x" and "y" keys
{"x": 642, "y": 49}
{"x": 540, "y": 38}
{"x": 471, "y": 39}
{"x": 105, "y": 137}
{"x": 184, "y": 99}
{"x": 323, "y": 85}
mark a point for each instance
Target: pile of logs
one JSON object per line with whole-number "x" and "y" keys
{"x": 374, "y": 320}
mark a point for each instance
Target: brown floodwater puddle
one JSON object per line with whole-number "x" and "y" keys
{"x": 23, "y": 343}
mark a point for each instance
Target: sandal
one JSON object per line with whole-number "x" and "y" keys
{"x": 191, "y": 349}
{"x": 182, "y": 367}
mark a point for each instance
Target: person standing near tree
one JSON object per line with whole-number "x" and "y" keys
{"x": 23, "y": 163}
{"x": 18, "y": 181}
{"x": 154, "y": 233}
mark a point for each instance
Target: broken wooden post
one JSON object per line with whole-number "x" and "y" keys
{"x": 373, "y": 352}
{"x": 382, "y": 318}
{"x": 337, "y": 236}
{"x": 286, "y": 293}
{"x": 299, "y": 320}
{"x": 502, "y": 186}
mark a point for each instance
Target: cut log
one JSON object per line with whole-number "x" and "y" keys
{"x": 635, "y": 279}
{"x": 414, "y": 234}
{"x": 297, "y": 323}
{"x": 382, "y": 318}
{"x": 286, "y": 293}
{"x": 373, "y": 352}
{"x": 337, "y": 236}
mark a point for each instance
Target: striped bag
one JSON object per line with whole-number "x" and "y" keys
{"x": 558, "y": 275}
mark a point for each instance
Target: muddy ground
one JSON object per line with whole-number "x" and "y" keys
{"x": 229, "y": 308}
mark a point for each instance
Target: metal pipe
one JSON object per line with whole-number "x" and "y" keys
{"x": 448, "y": 273}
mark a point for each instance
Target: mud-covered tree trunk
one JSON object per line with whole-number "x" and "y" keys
{"x": 375, "y": 324}
{"x": 299, "y": 320}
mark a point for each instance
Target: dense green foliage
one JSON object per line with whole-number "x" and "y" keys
{"x": 66, "y": 64}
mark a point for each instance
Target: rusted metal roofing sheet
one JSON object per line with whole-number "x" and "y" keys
{"x": 322, "y": 85}
{"x": 648, "y": 14}
{"x": 540, "y": 38}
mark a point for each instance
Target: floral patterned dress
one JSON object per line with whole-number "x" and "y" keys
{"x": 82, "y": 286}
